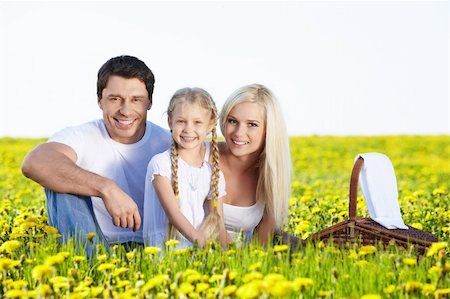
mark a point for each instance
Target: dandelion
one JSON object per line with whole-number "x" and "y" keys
{"x": 7, "y": 264}
{"x": 436, "y": 247}
{"x": 281, "y": 289}
{"x": 201, "y": 286}
{"x": 172, "y": 243}
{"x": 302, "y": 283}
{"x": 428, "y": 289}
{"x": 417, "y": 225}
{"x": 10, "y": 246}
{"x": 78, "y": 258}
{"x": 367, "y": 249}
{"x": 252, "y": 276}
{"x": 152, "y": 250}
{"x": 105, "y": 267}
{"x": 409, "y": 261}
{"x": 90, "y": 236}
{"x": 158, "y": 280}
{"x": 185, "y": 288}
{"x": 441, "y": 293}
{"x": 41, "y": 272}
{"x": 325, "y": 294}
{"x": 229, "y": 290}
{"x": 15, "y": 294}
{"x": 255, "y": 266}
{"x": 249, "y": 290}
{"x": 412, "y": 286}
{"x": 280, "y": 248}
{"x": 389, "y": 289}
{"x": 119, "y": 271}
{"x": 371, "y": 296}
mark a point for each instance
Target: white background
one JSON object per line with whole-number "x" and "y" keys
{"x": 338, "y": 68}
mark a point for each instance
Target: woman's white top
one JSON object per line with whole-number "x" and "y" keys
{"x": 194, "y": 189}
{"x": 240, "y": 222}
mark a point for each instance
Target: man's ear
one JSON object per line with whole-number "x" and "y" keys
{"x": 149, "y": 104}
{"x": 99, "y": 103}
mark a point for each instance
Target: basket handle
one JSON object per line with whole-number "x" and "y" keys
{"x": 354, "y": 188}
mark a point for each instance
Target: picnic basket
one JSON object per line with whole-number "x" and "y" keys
{"x": 368, "y": 232}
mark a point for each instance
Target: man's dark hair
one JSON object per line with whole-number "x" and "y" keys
{"x": 128, "y": 67}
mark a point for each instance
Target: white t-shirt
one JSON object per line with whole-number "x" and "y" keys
{"x": 241, "y": 221}
{"x": 194, "y": 188}
{"x": 125, "y": 164}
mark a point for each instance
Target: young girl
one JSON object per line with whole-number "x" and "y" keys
{"x": 180, "y": 179}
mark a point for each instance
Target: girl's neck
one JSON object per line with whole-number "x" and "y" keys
{"x": 194, "y": 156}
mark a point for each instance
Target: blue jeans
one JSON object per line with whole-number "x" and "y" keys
{"x": 73, "y": 216}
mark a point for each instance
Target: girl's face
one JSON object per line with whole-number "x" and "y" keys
{"x": 245, "y": 129}
{"x": 190, "y": 124}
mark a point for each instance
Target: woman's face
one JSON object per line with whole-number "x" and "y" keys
{"x": 245, "y": 129}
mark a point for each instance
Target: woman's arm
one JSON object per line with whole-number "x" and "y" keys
{"x": 265, "y": 229}
{"x": 166, "y": 196}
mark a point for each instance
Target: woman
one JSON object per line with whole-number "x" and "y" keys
{"x": 255, "y": 160}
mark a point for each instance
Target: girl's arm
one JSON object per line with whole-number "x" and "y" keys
{"x": 224, "y": 237}
{"x": 265, "y": 228}
{"x": 166, "y": 196}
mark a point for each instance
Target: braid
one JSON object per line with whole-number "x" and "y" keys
{"x": 215, "y": 166}
{"x": 171, "y": 230}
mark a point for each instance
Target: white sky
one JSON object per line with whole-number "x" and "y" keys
{"x": 338, "y": 68}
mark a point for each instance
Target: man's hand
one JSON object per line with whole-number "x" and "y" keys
{"x": 123, "y": 210}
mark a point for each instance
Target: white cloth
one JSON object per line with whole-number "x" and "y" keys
{"x": 240, "y": 222}
{"x": 194, "y": 188}
{"x": 125, "y": 164}
{"x": 379, "y": 187}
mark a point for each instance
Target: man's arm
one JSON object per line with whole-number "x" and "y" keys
{"x": 53, "y": 166}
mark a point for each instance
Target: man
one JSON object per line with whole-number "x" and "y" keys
{"x": 94, "y": 174}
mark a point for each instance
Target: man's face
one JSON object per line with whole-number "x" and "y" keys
{"x": 125, "y": 103}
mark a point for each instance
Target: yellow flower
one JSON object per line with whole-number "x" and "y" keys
{"x": 428, "y": 289}
{"x": 41, "y": 272}
{"x": 441, "y": 293}
{"x": 15, "y": 294}
{"x": 43, "y": 290}
{"x": 152, "y": 250}
{"x": 280, "y": 248}
{"x": 409, "y": 261}
{"x": 412, "y": 286}
{"x": 389, "y": 289}
{"x": 185, "y": 288}
{"x": 201, "y": 286}
{"x": 90, "y": 236}
{"x": 417, "y": 225}
{"x": 371, "y": 296}
{"x": 281, "y": 289}
{"x": 10, "y": 246}
{"x": 248, "y": 291}
{"x": 105, "y": 267}
{"x": 161, "y": 279}
{"x": 95, "y": 291}
{"x": 302, "y": 283}
{"x": 215, "y": 277}
{"x": 7, "y": 264}
{"x": 78, "y": 258}
{"x": 55, "y": 259}
{"x": 324, "y": 294}
{"x": 119, "y": 271}
{"x": 172, "y": 243}
{"x": 255, "y": 266}
{"x": 436, "y": 247}
{"x": 367, "y": 249}
{"x": 182, "y": 251}
{"x": 229, "y": 290}
{"x": 252, "y": 276}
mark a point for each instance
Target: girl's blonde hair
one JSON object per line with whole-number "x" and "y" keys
{"x": 195, "y": 95}
{"x": 275, "y": 166}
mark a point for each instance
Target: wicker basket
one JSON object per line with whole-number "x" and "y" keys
{"x": 368, "y": 232}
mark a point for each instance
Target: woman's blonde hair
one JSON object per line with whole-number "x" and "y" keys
{"x": 195, "y": 95}
{"x": 275, "y": 166}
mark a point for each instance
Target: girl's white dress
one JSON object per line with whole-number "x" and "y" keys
{"x": 194, "y": 189}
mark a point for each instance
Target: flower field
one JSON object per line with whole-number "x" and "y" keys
{"x": 33, "y": 265}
